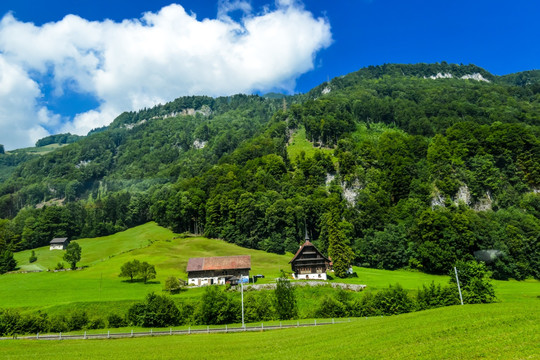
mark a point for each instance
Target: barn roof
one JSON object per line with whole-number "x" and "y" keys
{"x": 59, "y": 240}
{"x": 304, "y": 245}
{"x": 219, "y": 263}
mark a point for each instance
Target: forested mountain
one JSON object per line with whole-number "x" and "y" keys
{"x": 408, "y": 166}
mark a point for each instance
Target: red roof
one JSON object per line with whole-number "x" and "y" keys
{"x": 219, "y": 263}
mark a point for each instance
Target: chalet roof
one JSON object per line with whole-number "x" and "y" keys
{"x": 59, "y": 240}
{"x": 304, "y": 245}
{"x": 219, "y": 263}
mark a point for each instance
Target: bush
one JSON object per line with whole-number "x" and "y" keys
{"x": 172, "y": 285}
{"x": 257, "y": 307}
{"x": 434, "y": 296}
{"x": 33, "y": 257}
{"x": 96, "y": 323}
{"x": 285, "y": 299}
{"x": 59, "y": 323}
{"x": 116, "y": 321}
{"x": 331, "y": 308}
{"x": 9, "y": 322}
{"x": 77, "y": 320}
{"x": 60, "y": 266}
{"x": 475, "y": 282}
{"x": 393, "y": 301}
{"x": 35, "y": 323}
{"x": 156, "y": 311}
{"x": 216, "y": 307}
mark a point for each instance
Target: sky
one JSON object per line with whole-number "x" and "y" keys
{"x": 71, "y": 66}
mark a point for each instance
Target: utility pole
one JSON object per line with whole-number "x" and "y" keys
{"x": 242, "y": 286}
{"x": 459, "y": 287}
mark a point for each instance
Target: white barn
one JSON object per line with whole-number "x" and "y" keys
{"x": 218, "y": 270}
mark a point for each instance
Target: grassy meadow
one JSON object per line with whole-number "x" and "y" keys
{"x": 494, "y": 331}
{"x": 507, "y": 329}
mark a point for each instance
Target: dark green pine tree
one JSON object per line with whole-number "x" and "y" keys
{"x": 339, "y": 246}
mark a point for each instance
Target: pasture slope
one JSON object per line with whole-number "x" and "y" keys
{"x": 506, "y": 330}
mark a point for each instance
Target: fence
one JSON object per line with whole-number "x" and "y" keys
{"x": 171, "y": 331}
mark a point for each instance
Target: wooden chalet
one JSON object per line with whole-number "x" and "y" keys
{"x": 59, "y": 244}
{"x": 308, "y": 263}
{"x": 218, "y": 270}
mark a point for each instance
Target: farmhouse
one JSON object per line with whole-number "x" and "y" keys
{"x": 309, "y": 263}
{"x": 218, "y": 270}
{"x": 59, "y": 243}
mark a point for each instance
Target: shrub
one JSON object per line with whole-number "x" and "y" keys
{"x": 156, "y": 311}
{"x": 392, "y": 301}
{"x": 257, "y": 307}
{"x": 77, "y": 320}
{"x": 172, "y": 285}
{"x": 285, "y": 299}
{"x": 96, "y": 323}
{"x": 9, "y": 322}
{"x": 475, "y": 282}
{"x": 434, "y": 296}
{"x": 33, "y": 257}
{"x": 216, "y": 307}
{"x": 59, "y": 323}
{"x": 116, "y": 321}
{"x": 60, "y": 266}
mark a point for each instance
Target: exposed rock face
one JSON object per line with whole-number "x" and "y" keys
{"x": 463, "y": 195}
{"x": 485, "y": 203}
{"x": 437, "y": 200}
{"x": 199, "y": 144}
{"x": 326, "y": 90}
{"x": 475, "y": 76}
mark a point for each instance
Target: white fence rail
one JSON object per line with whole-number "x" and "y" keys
{"x": 171, "y": 331}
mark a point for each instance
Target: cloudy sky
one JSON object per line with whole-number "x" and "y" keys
{"x": 71, "y": 66}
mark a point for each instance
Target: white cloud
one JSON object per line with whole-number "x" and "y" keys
{"x": 163, "y": 55}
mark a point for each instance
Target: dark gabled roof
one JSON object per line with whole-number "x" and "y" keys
{"x": 219, "y": 263}
{"x": 59, "y": 240}
{"x": 304, "y": 245}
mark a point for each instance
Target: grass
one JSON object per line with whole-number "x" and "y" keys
{"x": 508, "y": 329}
{"x": 103, "y": 257}
{"x": 299, "y": 144}
{"x": 495, "y": 331}
{"x": 42, "y": 150}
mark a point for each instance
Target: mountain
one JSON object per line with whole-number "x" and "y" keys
{"x": 392, "y": 166}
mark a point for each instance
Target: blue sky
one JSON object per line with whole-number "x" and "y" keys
{"x": 74, "y": 73}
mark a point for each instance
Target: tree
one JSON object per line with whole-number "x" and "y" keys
{"x": 147, "y": 271}
{"x": 7, "y": 262}
{"x": 130, "y": 269}
{"x": 285, "y": 299}
{"x": 475, "y": 282}
{"x": 339, "y": 248}
{"x": 2, "y": 149}
{"x": 172, "y": 285}
{"x": 33, "y": 257}
{"x": 73, "y": 254}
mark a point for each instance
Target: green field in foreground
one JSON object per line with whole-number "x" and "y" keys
{"x": 493, "y": 331}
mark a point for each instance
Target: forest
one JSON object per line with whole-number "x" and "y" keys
{"x": 403, "y": 171}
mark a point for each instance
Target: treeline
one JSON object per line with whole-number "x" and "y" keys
{"x": 58, "y": 139}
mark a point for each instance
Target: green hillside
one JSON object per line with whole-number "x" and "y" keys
{"x": 403, "y": 167}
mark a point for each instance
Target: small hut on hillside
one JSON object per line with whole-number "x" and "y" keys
{"x": 59, "y": 243}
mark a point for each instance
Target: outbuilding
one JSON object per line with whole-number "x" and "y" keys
{"x": 59, "y": 243}
{"x": 218, "y": 270}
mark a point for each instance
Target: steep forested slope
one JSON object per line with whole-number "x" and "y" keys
{"x": 416, "y": 166}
